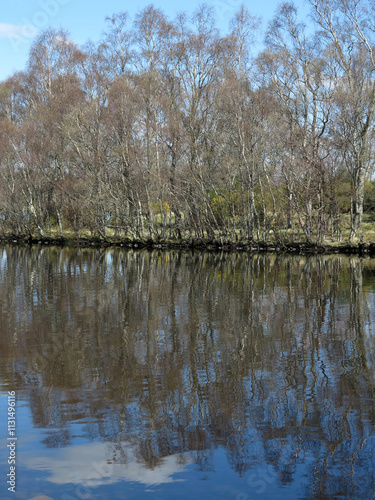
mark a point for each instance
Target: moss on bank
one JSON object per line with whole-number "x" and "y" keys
{"x": 211, "y": 245}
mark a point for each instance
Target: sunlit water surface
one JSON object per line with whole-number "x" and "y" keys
{"x": 170, "y": 375}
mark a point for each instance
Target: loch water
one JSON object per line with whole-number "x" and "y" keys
{"x": 165, "y": 375}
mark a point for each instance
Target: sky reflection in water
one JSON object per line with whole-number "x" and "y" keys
{"x": 188, "y": 375}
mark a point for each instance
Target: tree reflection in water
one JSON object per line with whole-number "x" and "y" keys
{"x": 172, "y": 353}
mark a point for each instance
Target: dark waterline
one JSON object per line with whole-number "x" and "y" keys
{"x": 169, "y": 375}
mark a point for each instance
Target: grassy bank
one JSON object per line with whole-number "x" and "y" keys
{"x": 195, "y": 244}
{"x": 363, "y": 245}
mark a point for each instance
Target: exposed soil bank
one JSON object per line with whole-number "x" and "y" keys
{"x": 197, "y": 244}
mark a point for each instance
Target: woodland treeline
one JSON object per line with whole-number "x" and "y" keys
{"x": 170, "y": 129}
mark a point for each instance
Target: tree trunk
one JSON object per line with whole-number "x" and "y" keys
{"x": 357, "y": 202}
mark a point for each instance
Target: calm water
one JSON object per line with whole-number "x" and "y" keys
{"x": 180, "y": 375}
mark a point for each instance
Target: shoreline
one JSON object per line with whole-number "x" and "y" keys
{"x": 194, "y": 244}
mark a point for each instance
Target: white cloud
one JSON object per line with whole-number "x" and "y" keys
{"x": 16, "y": 31}
{"x": 76, "y": 465}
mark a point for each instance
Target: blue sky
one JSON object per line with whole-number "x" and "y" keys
{"x": 21, "y": 20}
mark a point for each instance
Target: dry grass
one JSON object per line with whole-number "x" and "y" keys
{"x": 282, "y": 237}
